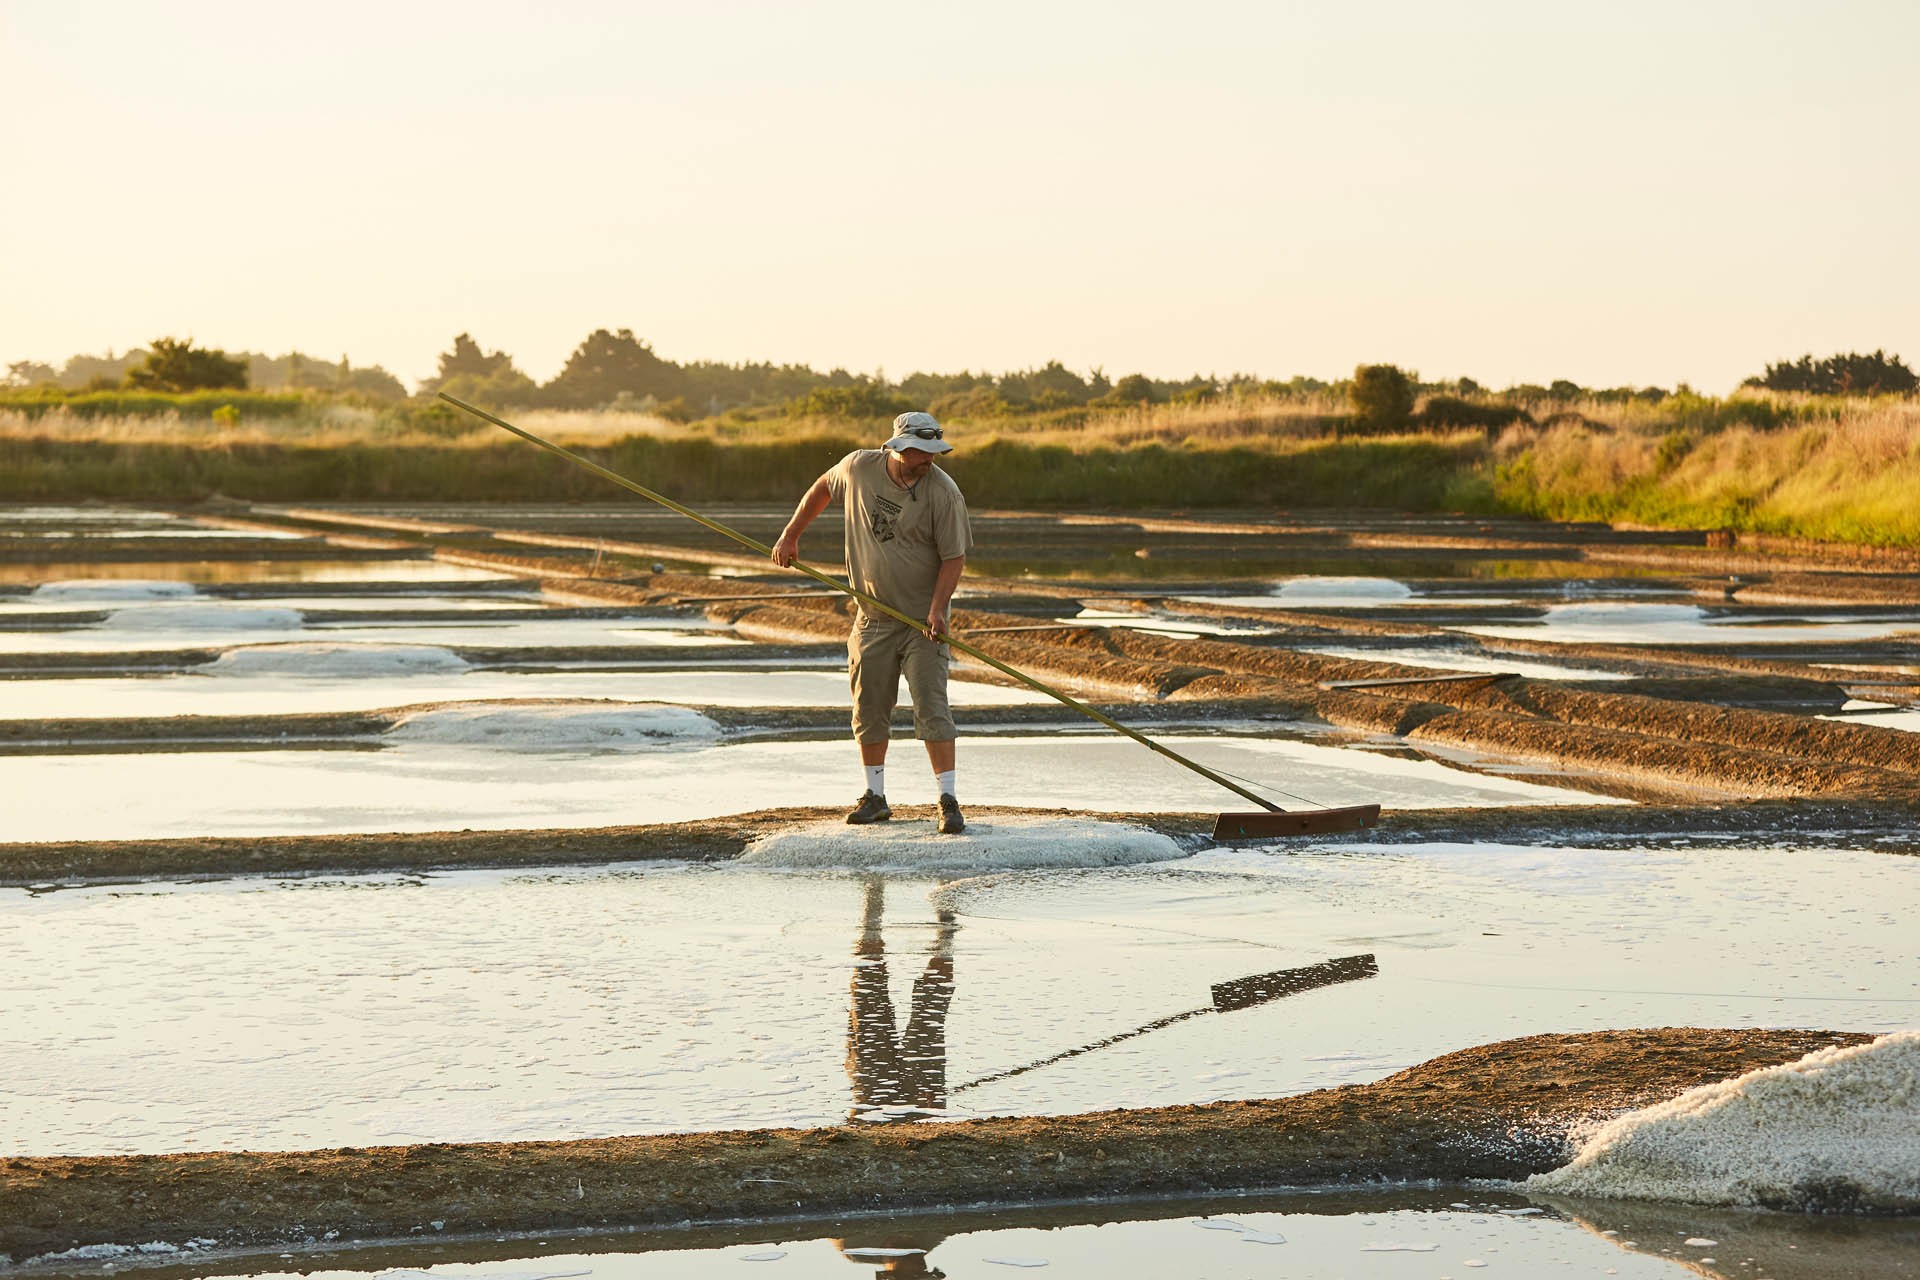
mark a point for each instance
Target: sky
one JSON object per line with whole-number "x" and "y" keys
{"x": 1622, "y": 194}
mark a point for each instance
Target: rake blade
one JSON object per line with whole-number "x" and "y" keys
{"x": 1305, "y": 822}
{"x": 1244, "y": 993}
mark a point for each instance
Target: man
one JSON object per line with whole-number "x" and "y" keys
{"x": 907, "y": 542}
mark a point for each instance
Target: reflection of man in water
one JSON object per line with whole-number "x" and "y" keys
{"x": 900, "y": 1254}
{"x": 898, "y": 1076}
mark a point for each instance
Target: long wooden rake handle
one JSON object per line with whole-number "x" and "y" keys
{"x": 865, "y": 599}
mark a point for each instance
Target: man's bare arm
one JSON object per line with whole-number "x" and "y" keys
{"x": 943, "y": 588}
{"x": 787, "y": 549}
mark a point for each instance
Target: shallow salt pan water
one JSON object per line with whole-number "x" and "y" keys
{"x": 222, "y": 623}
{"x": 1456, "y": 660}
{"x": 282, "y": 1014}
{"x": 434, "y": 788}
{"x": 23, "y": 611}
{"x": 288, "y": 693}
{"x": 1393, "y": 1236}
{"x": 1887, "y": 717}
{"x": 222, "y": 571}
{"x": 1628, "y": 623}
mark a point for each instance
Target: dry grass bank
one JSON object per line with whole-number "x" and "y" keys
{"x": 1839, "y": 471}
{"x": 1825, "y": 468}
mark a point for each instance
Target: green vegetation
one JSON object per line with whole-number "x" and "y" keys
{"x": 1812, "y": 465}
{"x": 1382, "y": 397}
{"x": 1851, "y": 374}
{"x": 294, "y": 371}
{"x": 1841, "y": 470}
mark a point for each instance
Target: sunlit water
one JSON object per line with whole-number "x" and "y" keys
{"x": 1461, "y": 660}
{"x": 315, "y": 571}
{"x": 1629, "y": 623}
{"x": 193, "y": 694}
{"x": 221, "y": 624}
{"x": 573, "y": 1003}
{"x": 1403, "y": 1235}
{"x": 431, "y": 788}
{"x": 24, "y": 612}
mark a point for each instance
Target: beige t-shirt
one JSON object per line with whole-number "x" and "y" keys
{"x": 897, "y": 537}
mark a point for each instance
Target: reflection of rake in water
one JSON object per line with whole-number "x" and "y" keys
{"x": 1242, "y": 993}
{"x": 1271, "y": 821}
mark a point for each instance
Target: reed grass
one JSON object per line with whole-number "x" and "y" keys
{"x": 1815, "y": 467}
{"x": 1844, "y": 472}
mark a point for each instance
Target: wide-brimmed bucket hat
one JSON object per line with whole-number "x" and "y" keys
{"x": 917, "y": 431}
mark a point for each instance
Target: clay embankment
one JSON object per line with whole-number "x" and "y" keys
{"x": 1685, "y": 745}
{"x": 72, "y": 863}
{"x": 1499, "y": 1111}
{"x": 1741, "y": 751}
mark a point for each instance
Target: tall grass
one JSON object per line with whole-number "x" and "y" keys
{"x": 1845, "y": 472}
{"x": 1816, "y": 467}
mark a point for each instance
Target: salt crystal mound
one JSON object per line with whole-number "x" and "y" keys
{"x": 1834, "y": 1131}
{"x": 334, "y": 661}
{"x": 1358, "y": 590}
{"x": 557, "y": 726}
{"x": 204, "y": 617}
{"x": 996, "y": 844}
{"x": 113, "y": 589}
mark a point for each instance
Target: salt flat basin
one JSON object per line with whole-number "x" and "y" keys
{"x": 1458, "y": 660}
{"x": 492, "y": 1005}
{"x": 315, "y": 571}
{"x": 823, "y": 685}
{"x": 219, "y": 624}
{"x": 430, "y": 787}
{"x": 22, "y": 610}
{"x": 1623, "y": 622}
{"x": 1907, "y": 718}
{"x": 167, "y": 533}
{"x": 35, "y": 517}
{"x": 1304, "y": 1236}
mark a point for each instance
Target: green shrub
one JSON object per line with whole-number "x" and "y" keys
{"x": 175, "y": 364}
{"x": 862, "y": 401}
{"x": 1451, "y": 412}
{"x": 192, "y": 405}
{"x": 1382, "y": 397}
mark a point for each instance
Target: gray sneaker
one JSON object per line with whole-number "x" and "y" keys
{"x": 872, "y": 808}
{"x": 951, "y": 823}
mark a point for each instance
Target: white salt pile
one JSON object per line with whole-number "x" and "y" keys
{"x": 998, "y": 843}
{"x": 351, "y": 661}
{"x": 204, "y": 616}
{"x": 556, "y": 726}
{"x": 112, "y": 589}
{"x": 1837, "y": 1130}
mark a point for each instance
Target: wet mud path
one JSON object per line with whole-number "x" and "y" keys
{"x": 1500, "y": 1111}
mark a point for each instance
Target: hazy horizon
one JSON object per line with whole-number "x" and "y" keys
{"x": 1649, "y": 194}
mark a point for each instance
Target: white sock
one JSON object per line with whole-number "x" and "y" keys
{"x": 946, "y": 782}
{"x": 877, "y": 779}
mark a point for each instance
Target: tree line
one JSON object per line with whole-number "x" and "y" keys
{"x": 177, "y": 365}
{"x": 612, "y": 369}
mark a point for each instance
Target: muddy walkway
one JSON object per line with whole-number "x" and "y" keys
{"x": 1499, "y": 1111}
{"x": 55, "y": 864}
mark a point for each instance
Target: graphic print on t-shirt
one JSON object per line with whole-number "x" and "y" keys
{"x": 881, "y": 519}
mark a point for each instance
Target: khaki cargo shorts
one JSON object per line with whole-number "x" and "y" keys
{"x": 881, "y": 650}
